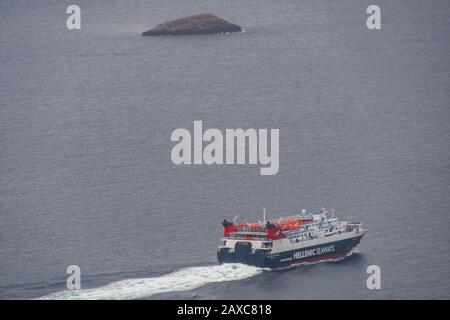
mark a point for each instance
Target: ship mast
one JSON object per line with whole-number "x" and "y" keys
{"x": 264, "y": 216}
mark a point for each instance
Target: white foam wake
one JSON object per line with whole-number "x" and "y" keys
{"x": 181, "y": 280}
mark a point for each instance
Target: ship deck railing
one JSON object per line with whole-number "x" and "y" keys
{"x": 242, "y": 235}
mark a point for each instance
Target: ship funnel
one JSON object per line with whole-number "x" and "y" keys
{"x": 228, "y": 227}
{"x": 274, "y": 232}
{"x": 226, "y": 223}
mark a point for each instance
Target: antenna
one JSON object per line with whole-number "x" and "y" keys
{"x": 264, "y": 215}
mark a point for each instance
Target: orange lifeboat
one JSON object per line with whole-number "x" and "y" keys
{"x": 255, "y": 226}
{"x": 292, "y": 224}
{"x": 249, "y": 226}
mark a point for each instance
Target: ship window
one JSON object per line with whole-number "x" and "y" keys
{"x": 267, "y": 244}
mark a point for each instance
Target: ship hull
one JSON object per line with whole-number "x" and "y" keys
{"x": 330, "y": 251}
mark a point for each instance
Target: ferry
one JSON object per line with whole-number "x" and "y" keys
{"x": 304, "y": 238}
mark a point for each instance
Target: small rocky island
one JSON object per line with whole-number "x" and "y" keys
{"x": 193, "y": 25}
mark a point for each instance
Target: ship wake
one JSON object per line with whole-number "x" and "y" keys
{"x": 182, "y": 280}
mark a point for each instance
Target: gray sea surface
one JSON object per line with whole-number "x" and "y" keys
{"x": 86, "y": 117}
